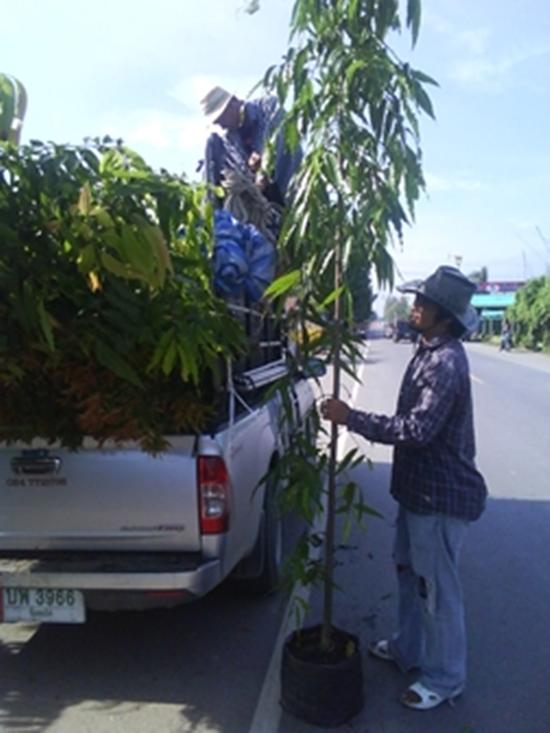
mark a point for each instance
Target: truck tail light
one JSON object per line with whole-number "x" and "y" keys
{"x": 213, "y": 495}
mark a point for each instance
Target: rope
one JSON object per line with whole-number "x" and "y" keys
{"x": 247, "y": 203}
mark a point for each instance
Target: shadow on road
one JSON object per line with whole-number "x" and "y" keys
{"x": 202, "y": 666}
{"x": 506, "y": 577}
{"x": 118, "y": 663}
{"x": 196, "y": 667}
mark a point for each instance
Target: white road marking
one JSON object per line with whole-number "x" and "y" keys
{"x": 267, "y": 716}
{"x": 476, "y": 379}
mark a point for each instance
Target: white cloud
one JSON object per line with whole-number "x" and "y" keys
{"x": 440, "y": 183}
{"x": 474, "y": 41}
{"x": 164, "y": 139}
{"x": 191, "y": 89}
{"x": 173, "y": 139}
{"x": 157, "y": 129}
{"x": 476, "y": 61}
{"x": 436, "y": 22}
{"x": 481, "y": 70}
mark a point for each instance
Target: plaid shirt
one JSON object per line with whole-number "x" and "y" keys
{"x": 433, "y": 433}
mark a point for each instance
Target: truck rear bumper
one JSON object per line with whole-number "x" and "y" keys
{"x": 113, "y": 572}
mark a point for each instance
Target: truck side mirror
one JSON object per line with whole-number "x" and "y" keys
{"x": 314, "y": 368}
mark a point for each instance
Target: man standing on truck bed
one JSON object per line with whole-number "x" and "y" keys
{"x": 247, "y": 126}
{"x": 436, "y": 484}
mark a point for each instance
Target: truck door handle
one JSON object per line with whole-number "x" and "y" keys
{"x": 36, "y": 465}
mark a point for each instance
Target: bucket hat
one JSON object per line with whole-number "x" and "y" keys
{"x": 450, "y": 289}
{"x": 215, "y": 102}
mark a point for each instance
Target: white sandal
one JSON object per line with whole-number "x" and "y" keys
{"x": 381, "y": 650}
{"x": 428, "y": 699}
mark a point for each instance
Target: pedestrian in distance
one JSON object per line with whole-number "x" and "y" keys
{"x": 436, "y": 484}
{"x": 506, "y": 336}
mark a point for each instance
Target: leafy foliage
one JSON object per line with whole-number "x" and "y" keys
{"x": 355, "y": 107}
{"x": 396, "y": 308}
{"x": 108, "y": 323}
{"x": 13, "y": 105}
{"x": 530, "y": 314}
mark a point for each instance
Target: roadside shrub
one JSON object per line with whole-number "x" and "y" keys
{"x": 530, "y": 314}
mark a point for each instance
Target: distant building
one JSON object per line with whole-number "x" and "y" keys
{"x": 491, "y": 301}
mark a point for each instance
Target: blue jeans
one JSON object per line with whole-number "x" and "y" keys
{"x": 431, "y": 634}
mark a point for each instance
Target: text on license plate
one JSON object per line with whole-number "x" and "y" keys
{"x": 45, "y": 605}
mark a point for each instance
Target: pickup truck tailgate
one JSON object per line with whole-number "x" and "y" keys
{"x": 119, "y": 499}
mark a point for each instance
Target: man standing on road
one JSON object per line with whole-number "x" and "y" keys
{"x": 436, "y": 484}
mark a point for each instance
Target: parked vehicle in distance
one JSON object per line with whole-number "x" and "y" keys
{"x": 402, "y": 331}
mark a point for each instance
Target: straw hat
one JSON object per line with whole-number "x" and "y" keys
{"x": 215, "y": 102}
{"x": 450, "y": 289}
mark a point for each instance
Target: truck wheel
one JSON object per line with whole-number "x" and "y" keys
{"x": 269, "y": 545}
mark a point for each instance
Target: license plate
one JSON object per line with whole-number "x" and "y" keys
{"x": 43, "y": 605}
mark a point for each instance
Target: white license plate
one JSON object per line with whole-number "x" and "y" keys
{"x": 43, "y": 605}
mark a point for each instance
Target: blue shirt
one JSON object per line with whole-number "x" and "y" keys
{"x": 260, "y": 118}
{"x": 433, "y": 433}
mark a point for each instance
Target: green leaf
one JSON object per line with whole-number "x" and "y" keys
{"x": 331, "y": 297}
{"x": 385, "y": 16}
{"x": 8, "y": 235}
{"x": 283, "y": 284}
{"x": 353, "y": 14}
{"x": 251, "y": 6}
{"x": 169, "y": 358}
{"x": 117, "y": 267}
{"x": 109, "y": 358}
{"x": 85, "y": 199}
{"x": 413, "y": 18}
{"x": 136, "y": 250}
{"x": 86, "y": 260}
{"x": 424, "y": 78}
{"x": 160, "y": 251}
{"x": 45, "y": 324}
{"x": 188, "y": 363}
{"x": 103, "y": 217}
{"x": 423, "y": 100}
{"x": 160, "y": 349}
{"x": 353, "y": 68}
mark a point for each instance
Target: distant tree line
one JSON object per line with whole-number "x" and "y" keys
{"x": 530, "y": 314}
{"x": 396, "y": 309}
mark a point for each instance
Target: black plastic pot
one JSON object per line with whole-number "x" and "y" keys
{"x": 325, "y": 693}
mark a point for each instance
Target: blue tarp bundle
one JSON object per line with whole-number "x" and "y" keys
{"x": 244, "y": 260}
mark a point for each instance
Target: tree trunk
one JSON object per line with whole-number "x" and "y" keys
{"x": 331, "y": 504}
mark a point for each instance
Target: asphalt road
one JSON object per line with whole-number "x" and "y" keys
{"x": 203, "y": 667}
{"x": 505, "y": 563}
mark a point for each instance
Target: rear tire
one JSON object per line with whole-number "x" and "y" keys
{"x": 268, "y": 549}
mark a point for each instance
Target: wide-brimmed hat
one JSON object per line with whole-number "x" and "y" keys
{"x": 215, "y": 102}
{"x": 450, "y": 289}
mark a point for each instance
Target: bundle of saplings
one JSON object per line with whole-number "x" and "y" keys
{"x": 109, "y": 325}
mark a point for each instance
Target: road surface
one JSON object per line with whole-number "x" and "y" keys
{"x": 212, "y": 666}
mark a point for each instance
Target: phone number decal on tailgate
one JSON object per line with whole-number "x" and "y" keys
{"x": 44, "y": 605}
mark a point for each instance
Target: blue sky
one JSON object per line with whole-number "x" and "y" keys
{"x": 138, "y": 72}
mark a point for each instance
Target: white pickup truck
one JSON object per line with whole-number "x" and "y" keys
{"x": 115, "y": 528}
